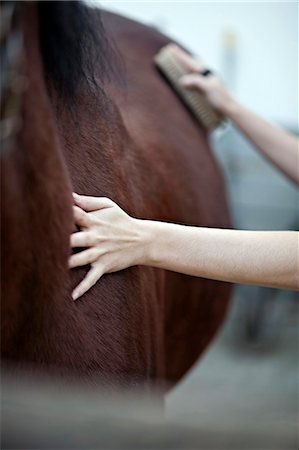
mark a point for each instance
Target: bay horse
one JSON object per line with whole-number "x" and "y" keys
{"x": 94, "y": 116}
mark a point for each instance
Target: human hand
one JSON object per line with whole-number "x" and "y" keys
{"x": 112, "y": 238}
{"x": 213, "y": 89}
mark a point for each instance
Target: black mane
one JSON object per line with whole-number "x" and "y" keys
{"x": 73, "y": 43}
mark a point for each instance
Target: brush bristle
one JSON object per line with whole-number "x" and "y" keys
{"x": 195, "y": 101}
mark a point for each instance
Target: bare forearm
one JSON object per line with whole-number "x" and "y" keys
{"x": 249, "y": 257}
{"x": 280, "y": 147}
{"x": 115, "y": 241}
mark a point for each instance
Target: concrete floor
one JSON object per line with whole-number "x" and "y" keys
{"x": 242, "y": 396}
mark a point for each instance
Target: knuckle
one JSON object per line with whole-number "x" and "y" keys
{"x": 99, "y": 239}
{"x": 94, "y": 254}
{"x": 196, "y": 66}
{"x": 107, "y": 201}
{"x": 82, "y": 258}
{"x": 104, "y": 267}
{"x": 89, "y": 239}
{"x": 90, "y": 257}
{"x": 83, "y": 216}
{"x": 78, "y": 258}
{"x": 80, "y": 217}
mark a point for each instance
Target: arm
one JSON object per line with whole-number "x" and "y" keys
{"x": 268, "y": 258}
{"x": 280, "y": 147}
{"x": 117, "y": 241}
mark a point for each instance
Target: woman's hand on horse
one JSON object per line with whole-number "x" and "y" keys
{"x": 213, "y": 89}
{"x": 112, "y": 239}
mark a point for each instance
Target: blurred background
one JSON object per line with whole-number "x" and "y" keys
{"x": 248, "y": 380}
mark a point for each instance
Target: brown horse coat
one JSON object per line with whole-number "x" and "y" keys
{"x": 138, "y": 145}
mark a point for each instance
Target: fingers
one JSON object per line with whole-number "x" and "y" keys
{"x": 81, "y": 217}
{"x": 83, "y": 239}
{"x": 194, "y": 81}
{"x": 90, "y": 279}
{"x": 188, "y": 61}
{"x": 92, "y": 203}
{"x": 83, "y": 258}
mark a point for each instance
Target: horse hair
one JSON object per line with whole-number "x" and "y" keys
{"x": 72, "y": 43}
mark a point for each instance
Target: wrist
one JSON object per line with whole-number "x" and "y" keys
{"x": 148, "y": 234}
{"x": 231, "y": 108}
{"x": 144, "y": 242}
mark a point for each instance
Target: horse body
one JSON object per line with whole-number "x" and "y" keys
{"x": 183, "y": 184}
{"x": 135, "y": 143}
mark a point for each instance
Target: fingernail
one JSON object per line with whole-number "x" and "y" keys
{"x": 75, "y": 195}
{"x": 75, "y": 295}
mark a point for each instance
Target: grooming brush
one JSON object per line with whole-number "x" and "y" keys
{"x": 195, "y": 101}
